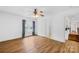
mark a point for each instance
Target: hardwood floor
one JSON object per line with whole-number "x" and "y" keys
{"x": 33, "y": 44}
{"x": 38, "y": 44}
{"x": 11, "y": 46}
{"x": 74, "y": 37}
{"x": 70, "y": 47}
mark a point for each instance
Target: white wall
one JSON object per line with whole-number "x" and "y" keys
{"x": 43, "y": 26}
{"x": 58, "y": 24}
{"x": 10, "y": 26}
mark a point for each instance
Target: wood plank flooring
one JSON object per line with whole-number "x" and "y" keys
{"x": 33, "y": 44}
{"x": 38, "y": 44}
{"x": 70, "y": 47}
{"x": 11, "y": 46}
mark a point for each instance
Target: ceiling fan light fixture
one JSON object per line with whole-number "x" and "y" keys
{"x": 37, "y": 13}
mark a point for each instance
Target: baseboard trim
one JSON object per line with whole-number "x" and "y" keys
{"x": 11, "y": 39}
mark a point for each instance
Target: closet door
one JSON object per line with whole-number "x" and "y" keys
{"x": 27, "y": 28}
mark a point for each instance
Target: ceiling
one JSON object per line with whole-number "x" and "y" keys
{"x": 28, "y": 10}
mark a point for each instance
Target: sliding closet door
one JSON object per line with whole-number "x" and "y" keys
{"x": 27, "y": 27}
{"x": 35, "y": 27}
